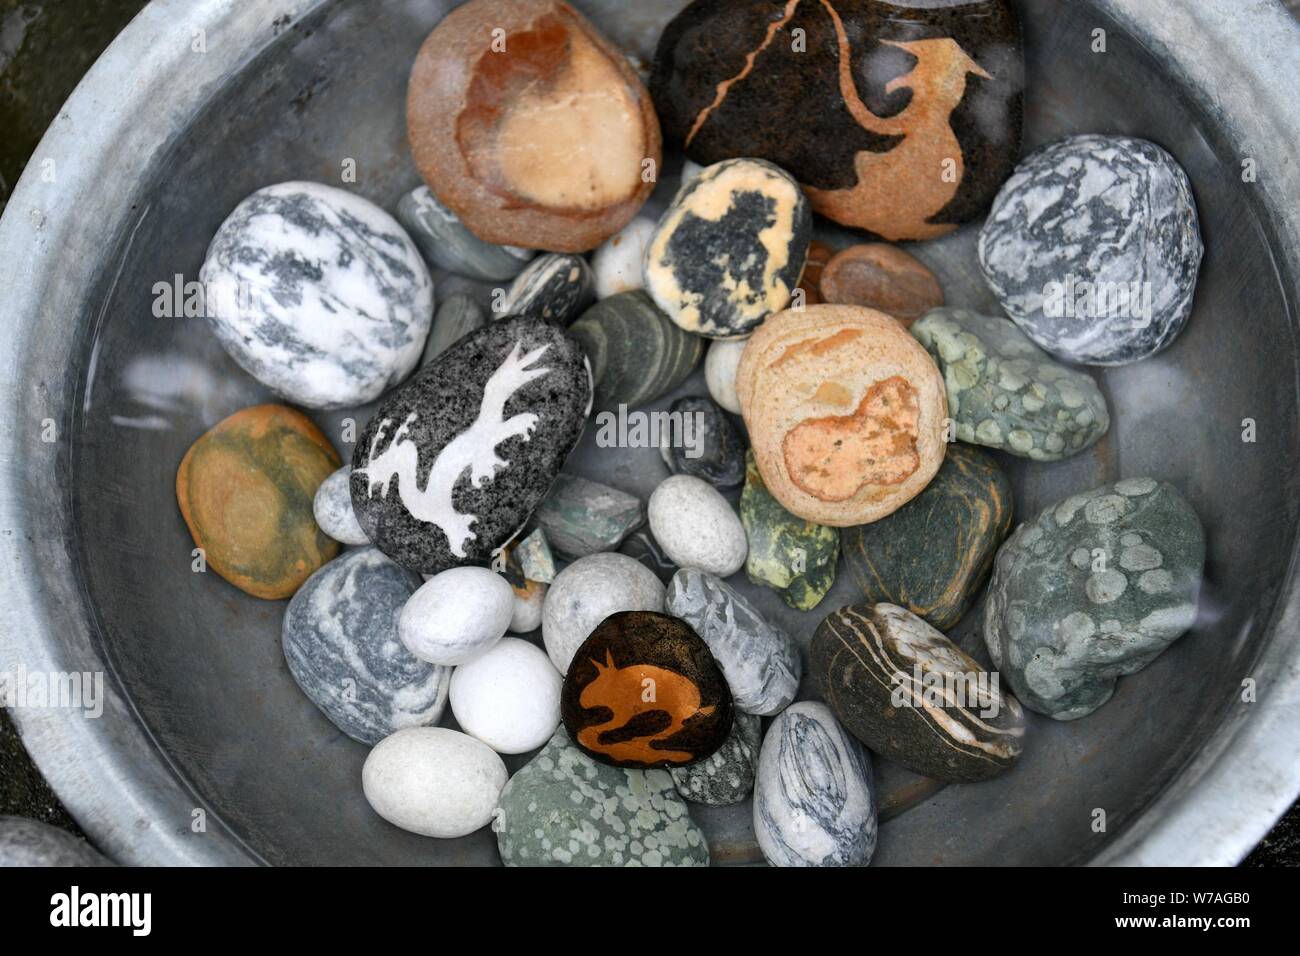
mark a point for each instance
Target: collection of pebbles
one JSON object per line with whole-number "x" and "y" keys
{"x": 846, "y": 398}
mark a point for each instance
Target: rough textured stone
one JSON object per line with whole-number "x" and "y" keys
{"x": 553, "y": 287}
{"x": 247, "y": 489}
{"x": 1093, "y": 248}
{"x": 340, "y": 642}
{"x": 637, "y": 353}
{"x": 446, "y": 243}
{"x": 933, "y": 555}
{"x": 913, "y": 696}
{"x": 696, "y": 526}
{"x": 458, "y": 316}
{"x": 451, "y": 466}
{"x": 814, "y": 797}
{"x": 1095, "y": 588}
{"x": 565, "y": 809}
{"x": 712, "y": 448}
{"x": 644, "y": 691}
{"x": 318, "y": 294}
{"x": 760, "y": 661}
{"x": 730, "y": 249}
{"x": 536, "y": 562}
{"x": 795, "y": 557}
{"x": 582, "y": 517}
{"x": 866, "y": 103}
{"x": 882, "y": 277}
{"x": 1005, "y": 392}
{"x": 727, "y": 776}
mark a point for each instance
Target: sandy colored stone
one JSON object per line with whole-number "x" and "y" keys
{"x": 845, "y": 413}
{"x": 882, "y": 277}
{"x": 540, "y": 144}
{"x": 246, "y": 490}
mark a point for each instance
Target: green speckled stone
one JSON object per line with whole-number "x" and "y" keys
{"x": 1093, "y": 589}
{"x": 933, "y": 555}
{"x": 564, "y": 809}
{"x": 727, "y": 776}
{"x": 786, "y": 553}
{"x": 1005, "y": 392}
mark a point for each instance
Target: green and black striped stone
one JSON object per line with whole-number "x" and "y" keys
{"x": 933, "y": 555}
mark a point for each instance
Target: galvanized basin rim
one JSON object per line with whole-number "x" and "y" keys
{"x": 1236, "y": 62}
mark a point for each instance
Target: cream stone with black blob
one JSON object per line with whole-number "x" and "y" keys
{"x": 730, "y": 250}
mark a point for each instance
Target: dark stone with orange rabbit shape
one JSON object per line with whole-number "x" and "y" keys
{"x": 644, "y": 691}
{"x": 899, "y": 117}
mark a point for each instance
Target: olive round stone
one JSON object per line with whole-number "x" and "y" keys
{"x": 644, "y": 691}
{"x": 912, "y": 695}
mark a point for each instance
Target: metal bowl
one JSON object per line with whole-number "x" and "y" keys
{"x": 206, "y": 751}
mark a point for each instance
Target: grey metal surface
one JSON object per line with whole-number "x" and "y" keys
{"x": 202, "y": 712}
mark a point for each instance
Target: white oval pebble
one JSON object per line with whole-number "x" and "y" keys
{"x": 590, "y": 590}
{"x": 696, "y": 527}
{"x": 617, "y": 263}
{"x": 433, "y": 781}
{"x": 333, "y": 509}
{"x": 456, "y": 615}
{"x": 720, "y": 373}
{"x": 509, "y": 698}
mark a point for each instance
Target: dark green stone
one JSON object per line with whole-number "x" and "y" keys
{"x": 933, "y": 555}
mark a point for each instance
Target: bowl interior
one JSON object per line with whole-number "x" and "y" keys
{"x": 201, "y": 661}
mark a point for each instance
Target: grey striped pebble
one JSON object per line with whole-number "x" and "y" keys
{"x": 554, "y": 287}
{"x": 637, "y": 353}
{"x": 814, "y": 799}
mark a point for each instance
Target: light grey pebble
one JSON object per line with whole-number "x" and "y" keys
{"x": 814, "y": 797}
{"x": 697, "y": 527}
{"x": 333, "y": 509}
{"x": 447, "y": 243}
{"x": 760, "y": 661}
{"x": 727, "y": 775}
{"x": 590, "y": 590}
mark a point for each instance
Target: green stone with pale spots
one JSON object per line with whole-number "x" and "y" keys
{"x": 1093, "y": 589}
{"x": 1005, "y": 392}
{"x": 795, "y": 557}
{"x": 727, "y": 775}
{"x": 565, "y": 809}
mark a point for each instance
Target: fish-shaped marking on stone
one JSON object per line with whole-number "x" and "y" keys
{"x": 473, "y": 449}
{"x": 623, "y": 691}
{"x": 898, "y": 191}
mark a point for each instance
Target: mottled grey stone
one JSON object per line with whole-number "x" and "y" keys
{"x": 760, "y": 661}
{"x": 814, "y": 796}
{"x": 340, "y": 642}
{"x": 727, "y": 776}
{"x": 446, "y": 242}
{"x": 565, "y": 809}
{"x": 30, "y": 843}
{"x": 1093, "y": 589}
{"x": 458, "y": 316}
{"x": 712, "y": 448}
{"x": 1005, "y": 392}
{"x": 1093, "y": 247}
{"x": 582, "y": 517}
{"x": 555, "y": 287}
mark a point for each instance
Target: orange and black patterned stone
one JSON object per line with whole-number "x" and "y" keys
{"x": 246, "y": 490}
{"x": 644, "y": 691}
{"x": 899, "y": 117}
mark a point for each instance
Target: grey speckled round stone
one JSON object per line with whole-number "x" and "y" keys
{"x": 555, "y": 287}
{"x": 318, "y": 294}
{"x": 760, "y": 661}
{"x": 453, "y": 463}
{"x": 30, "y": 843}
{"x": 333, "y": 508}
{"x": 1095, "y": 588}
{"x": 564, "y": 809}
{"x": 340, "y": 641}
{"x": 1093, "y": 247}
{"x": 446, "y": 242}
{"x": 726, "y": 776}
{"x": 1005, "y": 392}
{"x": 814, "y": 797}
{"x": 710, "y": 447}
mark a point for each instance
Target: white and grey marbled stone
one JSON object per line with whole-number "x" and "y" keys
{"x": 1093, "y": 589}
{"x": 760, "y": 661}
{"x": 333, "y": 509}
{"x": 556, "y": 287}
{"x": 726, "y": 776}
{"x": 30, "y": 843}
{"x": 590, "y": 590}
{"x": 340, "y": 642}
{"x": 814, "y": 797}
{"x": 458, "y": 316}
{"x": 565, "y": 809}
{"x": 1094, "y": 215}
{"x": 447, "y": 243}
{"x": 318, "y": 294}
